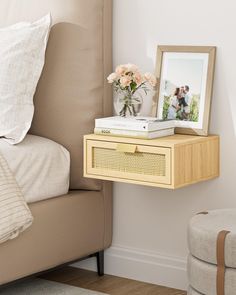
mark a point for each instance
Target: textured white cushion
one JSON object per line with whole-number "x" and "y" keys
{"x": 203, "y": 231}
{"x": 22, "y": 50}
{"x": 41, "y": 167}
{"x": 202, "y": 277}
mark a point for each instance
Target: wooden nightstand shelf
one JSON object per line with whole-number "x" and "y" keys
{"x": 168, "y": 162}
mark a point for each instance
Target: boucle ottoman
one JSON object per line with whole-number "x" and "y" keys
{"x": 212, "y": 260}
{"x": 203, "y": 277}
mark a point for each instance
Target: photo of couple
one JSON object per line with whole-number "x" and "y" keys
{"x": 179, "y": 104}
{"x": 184, "y": 88}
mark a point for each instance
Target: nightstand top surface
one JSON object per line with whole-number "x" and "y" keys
{"x": 176, "y": 139}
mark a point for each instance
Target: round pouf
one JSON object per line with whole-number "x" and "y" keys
{"x": 212, "y": 259}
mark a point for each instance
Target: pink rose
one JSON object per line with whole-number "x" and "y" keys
{"x": 151, "y": 79}
{"x": 121, "y": 70}
{"x": 138, "y": 78}
{"x": 131, "y": 68}
{"x": 125, "y": 81}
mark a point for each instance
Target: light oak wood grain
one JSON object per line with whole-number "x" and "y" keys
{"x": 167, "y": 141}
{"x": 187, "y": 159}
{"x": 111, "y": 285}
{"x": 196, "y": 162}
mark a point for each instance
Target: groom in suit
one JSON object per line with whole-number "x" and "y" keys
{"x": 188, "y": 100}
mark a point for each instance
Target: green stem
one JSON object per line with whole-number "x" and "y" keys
{"x": 134, "y": 112}
{"x": 130, "y": 112}
{"x": 138, "y": 87}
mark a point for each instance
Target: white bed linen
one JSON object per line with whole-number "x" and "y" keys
{"x": 41, "y": 167}
{"x": 15, "y": 215}
{"x": 22, "y": 50}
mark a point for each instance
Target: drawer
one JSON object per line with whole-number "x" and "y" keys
{"x": 168, "y": 162}
{"x": 116, "y": 160}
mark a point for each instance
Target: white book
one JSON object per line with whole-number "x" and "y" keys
{"x": 134, "y": 123}
{"x": 135, "y": 134}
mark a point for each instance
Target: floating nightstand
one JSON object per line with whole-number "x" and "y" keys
{"x": 168, "y": 162}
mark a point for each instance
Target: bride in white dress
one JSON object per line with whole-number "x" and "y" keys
{"x": 174, "y": 105}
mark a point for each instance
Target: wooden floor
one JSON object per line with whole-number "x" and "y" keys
{"x": 108, "y": 284}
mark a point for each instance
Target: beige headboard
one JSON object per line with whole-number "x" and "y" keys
{"x": 72, "y": 90}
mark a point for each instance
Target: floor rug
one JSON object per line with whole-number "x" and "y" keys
{"x": 44, "y": 287}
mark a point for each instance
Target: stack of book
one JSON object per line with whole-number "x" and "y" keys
{"x": 137, "y": 127}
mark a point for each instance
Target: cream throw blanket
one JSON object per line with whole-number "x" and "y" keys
{"x": 15, "y": 215}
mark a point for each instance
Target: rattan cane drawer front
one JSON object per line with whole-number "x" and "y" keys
{"x": 128, "y": 161}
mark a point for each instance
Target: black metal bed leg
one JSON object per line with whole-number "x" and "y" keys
{"x": 100, "y": 262}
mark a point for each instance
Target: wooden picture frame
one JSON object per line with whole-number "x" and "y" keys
{"x": 196, "y": 64}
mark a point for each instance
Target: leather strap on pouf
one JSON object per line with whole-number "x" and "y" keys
{"x": 220, "y": 252}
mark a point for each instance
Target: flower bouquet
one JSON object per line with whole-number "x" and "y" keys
{"x": 127, "y": 80}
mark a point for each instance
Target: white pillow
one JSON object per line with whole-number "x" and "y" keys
{"x": 22, "y": 51}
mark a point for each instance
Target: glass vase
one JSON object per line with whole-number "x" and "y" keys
{"x": 127, "y": 104}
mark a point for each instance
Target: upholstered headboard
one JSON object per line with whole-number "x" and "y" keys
{"x": 72, "y": 90}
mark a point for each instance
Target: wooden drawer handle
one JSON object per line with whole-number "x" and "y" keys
{"x": 126, "y": 148}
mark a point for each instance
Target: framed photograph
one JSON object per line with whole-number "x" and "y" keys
{"x": 185, "y": 79}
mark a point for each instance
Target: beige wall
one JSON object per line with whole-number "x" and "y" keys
{"x": 150, "y": 223}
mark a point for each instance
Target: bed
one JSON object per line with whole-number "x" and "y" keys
{"x": 71, "y": 93}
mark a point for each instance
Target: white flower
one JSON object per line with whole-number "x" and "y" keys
{"x": 131, "y": 68}
{"x": 112, "y": 78}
